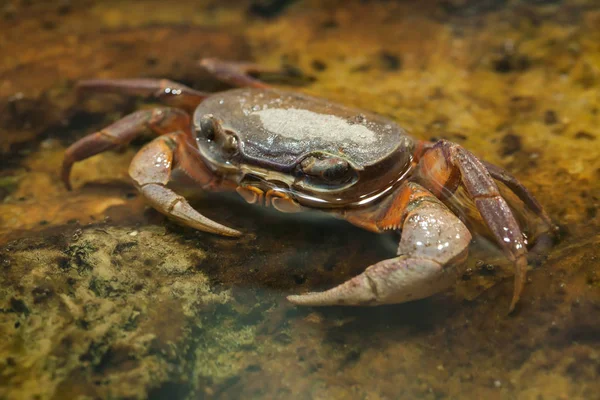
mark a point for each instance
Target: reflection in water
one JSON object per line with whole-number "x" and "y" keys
{"x": 103, "y": 297}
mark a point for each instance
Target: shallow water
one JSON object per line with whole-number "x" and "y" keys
{"x": 102, "y": 297}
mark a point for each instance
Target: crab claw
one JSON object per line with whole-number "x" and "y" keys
{"x": 396, "y": 280}
{"x": 433, "y": 243}
{"x": 150, "y": 171}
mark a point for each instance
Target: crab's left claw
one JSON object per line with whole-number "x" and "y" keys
{"x": 434, "y": 243}
{"x": 150, "y": 171}
{"x": 152, "y": 166}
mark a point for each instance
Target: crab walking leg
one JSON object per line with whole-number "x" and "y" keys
{"x": 159, "y": 120}
{"x": 235, "y": 73}
{"x": 506, "y": 178}
{"x": 433, "y": 243}
{"x": 151, "y": 170}
{"x": 163, "y": 90}
{"x": 544, "y": 240}
{"x": 444, "y": 167}
{"x": 521, "y": 191}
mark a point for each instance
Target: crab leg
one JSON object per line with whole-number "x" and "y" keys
{"x": 168, "y": 92}
{"x": 151, "y": 170}
{"x": 158, "y": 120}
{"x": 433, "y": 243}
{"x": 446, "y": 165}
{"x": 235, "y": 73}
{"x": 544, "y": 239}
{"x": 521, "y": 191}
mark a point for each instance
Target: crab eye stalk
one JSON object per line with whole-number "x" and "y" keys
{"x": 329, "y": 169}
{"x": 211, "y": 129}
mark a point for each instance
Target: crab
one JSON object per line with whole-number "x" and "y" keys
{"x": 295, "y": 152}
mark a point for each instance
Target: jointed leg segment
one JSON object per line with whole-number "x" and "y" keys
{"x": 447, "y": 165}
{"x": 235, "y": 73}
{"x": 521, "y": 191}
{"x": 168, "y": 92}
{"x": 158, "y": 120}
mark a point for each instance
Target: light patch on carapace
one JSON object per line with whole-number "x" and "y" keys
{"x": 309, "y": 125}
{"x": 282, "y": 127}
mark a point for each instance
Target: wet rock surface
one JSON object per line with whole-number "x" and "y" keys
{"x": 102, "y": 297}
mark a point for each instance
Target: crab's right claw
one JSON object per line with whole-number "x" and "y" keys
{"x": 396, "y": 280}
{"x": 433, "y": 243}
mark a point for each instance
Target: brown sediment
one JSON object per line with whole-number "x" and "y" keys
{"x": 102, "y": 297}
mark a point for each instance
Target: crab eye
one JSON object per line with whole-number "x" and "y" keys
{"x": 211, "y": 129}
{"x": 330, "y": 169}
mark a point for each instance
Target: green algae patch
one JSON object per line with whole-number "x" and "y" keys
{"x": 97, "y": 305}
{"x": 221, "y": 354}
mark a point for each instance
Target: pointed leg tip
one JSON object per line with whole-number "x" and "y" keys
{"x": 65, "y": 170}
{"x": 66, "y": 180}
{"x": 202, "y": 223}
{"x": 307, "y": 299}
{"x": 296, "y": 299}
{"x": 513, "y": 304}
{"x": 293, "y": 299}
{"x": 331, "y": 297}
{"x": 182, "y": 211}
{"x": 232, "y": 233}
{"x": 210, "y": 226}
{"x": 520, "y": 279}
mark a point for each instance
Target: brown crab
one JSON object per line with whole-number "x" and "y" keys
{"x": 295, "y": 152}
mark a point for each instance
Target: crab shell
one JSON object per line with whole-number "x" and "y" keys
{"x": 276, "y": 135}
